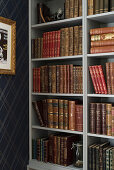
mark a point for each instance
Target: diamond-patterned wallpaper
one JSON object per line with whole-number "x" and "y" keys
{"x": 14, "y": 93}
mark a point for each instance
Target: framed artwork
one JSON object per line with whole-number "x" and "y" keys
{"x": 7, "y": 46}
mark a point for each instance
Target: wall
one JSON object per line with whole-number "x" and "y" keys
{"x": 14, "y": 94}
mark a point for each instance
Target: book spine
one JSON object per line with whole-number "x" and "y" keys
{"x": 103, "y": 110}
{"x": 98, "y": 118}
{"x": 76, "y": 40}
{"x": 50, "y": 79}
{"x": 38, "y": 149}
{"x": 67, "y": 9}
{"x": 61, "y": 79}
{"x": 112, "y": 121}
{"x": 46, "y": 79}
{"x": 97, "y": 158}
{"x": 80, "y": 8}
{"x": 58, "y": 43}
{"x": 50, "y": 44}
{"x": 108, "y": 78}
{"x": 109, "y": 119}
{"x": 50, "y": 113}
{"x": 55, "y": 149}
{"x": 97, "y": 6}
{"x": 61, "y": 112}
{"x": 111, "y": 5}
{"x": 66, "y": 41}
{"x": 62, "y": 151}
{"x": 111, "y": 159}
{"x": 71, "y": 5}
{"x": 41, "y": 50}
{"x": 71, "y": 79}
{"x": 53, "y": 43}
{"x": 64, "y": 79}
{"x": 108, "y": 159}
{"x": 65, "y": 115}
{"x": 44, "y": 45}
{"x": 79, "y": 117}
{"x": 92, "y": 117}
{"x": 34, "y": 80}
{"x": 76, "y": 8}
{"x": 46, "y": 150}
{"x": 74, "y": 78}
{"x": 51, "y": 149}
{"x": 101, "y": 6}
{"x": 38, "y": 52}
{"x": 99, "y": 80}
{"x": 102, "y": 43}
{"x": 68, "y": 78}
{"x": 45, "y": 112}
{"x": 70, "y": 41}
{"x": 80, "y": 40}
{"x": 102, "y": 37}
{"x": 106, "y": 5}
{"x": 58, "y": 149}
{"x": 71, "y": 115}
{"x": 58, "y": 79}
{"x": 36, "y": 48}
{"x": 62, "y": 44}
{"x": 105, "y": 30}
{"x": 91, "y": 7}
{"x": 34, "y": 149}
{"x": 65, "y": 161}
{"x": 54, "y": 79}
{"x": 55, "y": 113}
{"x": 102, "y": 49}
{"x": 112, "y": 77}
{"x": 33, "y": 48}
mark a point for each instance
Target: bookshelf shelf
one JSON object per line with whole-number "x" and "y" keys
{"x": 58, "y": 94}
{"x": 56, "y": 130}
{"x": 101, "y": 95}
{"x": 58, "y": 24}
{"x": 34, "y": 164}
{"x": 58, "y": 58}
{"x": 101, "y": 136}
{"x": 101, "y": 55}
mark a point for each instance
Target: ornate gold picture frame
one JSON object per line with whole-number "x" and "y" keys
{"x": 7, "y": 46}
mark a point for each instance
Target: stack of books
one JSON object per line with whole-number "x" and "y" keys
{"x": 101, "y": 119}
{"x": 96, "y": 6}
{"x": 102, "y": 86}
{"x": 55, "y": 149}
{"x": 102, "y": 40}
{"x": 64, "y": 42}
{"x": 58, "y": 79}
{"x": 59, "y": 114}
{"x": 101, "y": 156}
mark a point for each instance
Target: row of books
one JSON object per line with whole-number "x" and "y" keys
{"x": 58, "y": 79}
{"x": 55, "y": 149}
{"x": 58, "y": 113}
{"x": 101, "y": 118}
{"x": 102, "y": 40}
{"x": 102, "y": 6}
{"x": 102, "y": 86}
{"x": 64, "y": 42}
{"x": 101, "y": 156}
{"x": 73, "y": 8}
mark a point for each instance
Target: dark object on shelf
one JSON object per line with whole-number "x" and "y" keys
{"x": 58, "y": 15}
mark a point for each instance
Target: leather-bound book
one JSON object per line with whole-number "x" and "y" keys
{"x": 61, "y": 79}
{"x": 102, "y": 79}
{"x": 98, "y": 118}
{"x": 111, "y": 5}
{"x": 112, "y": 158}
{"x": 41, "y": 50}
{"x": 33, "y": 48}
{"x": 76, "y": 40}
{"x": 51, "y": 148}
{"x": 108, "y": 158}
{"x": 91, "y": 7}
{"x": 108, "y": 78}
{"x": 55, "y": 51}
{"x": 67, "y": 77}
{"x": 102, "y": 37}
{"x": 103, "y": 110}
{"x": 53, "y": 79}
{"x": 79, "y": 117}
{"x": 46, "y": 150}
{"x": 96, "y": 79}
{"x": 50, "y": 79}
{"x": 104, "y": 157}
{"x": 99, "y": 80}
{"x": 80, "y": 7}
{"x": 101, "y": 6}
{"x": 67, "y": 9}
{"x": 70, "y": 41}
{"x": 53, "y": 43}
{"x": 102, "y": 49}
{"x": 50, "y": 113}
{"x": 81, "y": 79}
{"x": 90, "y": 157}
{"x": 62, "y": 150}
{"x": 34, "y": 149}
{"x": 38, "y": 112}
{"x": 72, "y": 116}
{"x": 97, "y": 6}
{"x": 112, "y": 76}
{"x": 42, "y": 72}
{"x": 66, "y": 41}
{"x": 55, "y": 113}
{"x": 58, "y": 43}
{"x": 55, "y": 155}
{"x": 61, "y": 112}
{"x": 105, "y": 30}
{"x": 109, "y": 119}
{"x": 97, "y": 157}
{"x": 44, "y": 45}
{"x": 74, "y": 78}
{"x": 112, "y": 121}
{"x": 50, "y": 43}
{"x": 76, "y": 9}
{"x": 71, "y": 5}
{"x": 58, "y": 149}
{"x": 38, "y": 149}
{"x": 37, "y": 81}
{"x": 57, "y": 78}
{"x": 45, "y": 112}
{"x": 64, "y": 79}
{"x": 36, "y": 48}
{"x": 65, "y": 115}
{"x": 92, "y": 117}
{"x": 62, "y": 44}
{"x": 106, "y": 5}
{"x": 94, "y": 157}
{"x": 46, "y": 79}
{"x": 34, "y": 79}
{"x": 80, "y": 40}
{"x": 71, "y": 87}
{"x": 76, "y": 82}
{"x": 102, "y": 43}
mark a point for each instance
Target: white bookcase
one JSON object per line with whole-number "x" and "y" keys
{"x": 35, "y": 30}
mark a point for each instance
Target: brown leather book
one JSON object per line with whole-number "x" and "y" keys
{"x": 62, "y": 44}
{"x": 74, "y": 78}
{"x": 33, "y": 48}
{"x": 58, "y": 79}
{"x": 76, "y": 40}
{"x": 70, "y": 41}
{"x": 46, "y": 150}
{"x": 67, "y": 9}
{"x": 61, "y": 112}
{"x": 91, "y": 7}
{"x": 81, "y": 80}
{"x": 58, "y": 149}
{"x": 41, "y": 50}
{"x": 102, "y": 37}
{"x": 112, "y": 121}
{"x": 61, "y": 79}
{"x": 80, "y": 40}
{"x": 79, "y": 117}
{"x": 72, "y": 116}
{"x": 53, "y": 43}
{"x": 55, "y": 149}
{"x": 80, "y": 7}
{"x": 46, "y": 79}
{"x": 44, "y": 45}
{"x": 50, "y": 79}
{"x": 62, "y": 151}
{"x": 92, "y": 118}
{"x": 106, "y": 5}
{"x": 71, "y": 87}
{"x": 42, "y": 72}
{"x": 105, "y": 30}
{"x": 45, "y": 112}
{"x": 97, "y": 6}
{"x": 111, "y": 5}
{"x": 38, "y": 112}
{"x": 109, "y": 119}
{"x": 112, "y": 76}
{"x": 48, "y": 44}
{"x": 67, "y": 77}
{"x": 50, "y": 113}
{"x": 64, "y": 79}
{"x": 55, "y": 113}
{"x": 108, "y": 78}
{"x": 65, "y": 115}
{"x": 71, "y": 5}
{"x": 38, "y": 149}
{"x": 38, "y": 48}
{"x": 98, "y": 118}
{"x": 103, "y": 111}
{"x": 58, "y": 43}
{"x": 53, "y": 79}
{"x": 102, "y": 43}
{"x": 76, "y": 9}
{"x": 101, "y": 6}
{"x": 102, "y": 49}
{"x": 66, "y": 41}
{"x": 51, "y": 148}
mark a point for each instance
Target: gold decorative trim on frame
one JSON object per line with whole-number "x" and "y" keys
{"x": 13, "y": 46}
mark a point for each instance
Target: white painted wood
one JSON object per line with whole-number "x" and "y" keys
{"x": 101, "y": 136}
{"x": 101, "y": 55}
{"x": 58, "y": 94}
{"x": 101, "y": 95}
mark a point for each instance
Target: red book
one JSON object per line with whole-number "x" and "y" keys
{"x": 56, "y": 35}
{"x": 112, "y": 121}
{"x": 97, "y": 31}
{"x": 99, "y": 80}
{"x": 50, "y": 44}
{"x": 104, "y": 49}
{"x": 96, "y": 78}
{"x": 53, "y": 44}
{"x": 93, "y": 79}
{"x": 58, "y": 43}
{"x": 33, "y": 79}
{"x": 38, "y": 80}
{"x": 102, "y": 79}
{"x": 44, "y": 45}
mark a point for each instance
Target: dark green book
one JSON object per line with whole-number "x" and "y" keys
{"x": 108, "y": 158}
{"x": 97, "y": 157}
{"x": 90, "y": 156}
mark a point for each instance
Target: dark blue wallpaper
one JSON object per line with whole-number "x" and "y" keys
{"x": 14, "y": 93}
